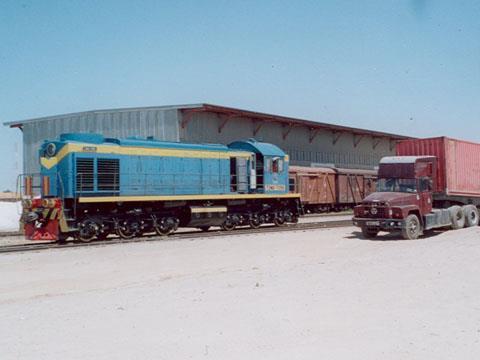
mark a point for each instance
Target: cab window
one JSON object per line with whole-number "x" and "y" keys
{"x": 291, "y": 185}
{"x": 426, "y": 184}
{"x": 277, "y": 165}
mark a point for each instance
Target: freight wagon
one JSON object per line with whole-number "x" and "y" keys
{"x": 432, "y": 183}
{"x": 93, "y": 186}
{"x": 331, "y": 189}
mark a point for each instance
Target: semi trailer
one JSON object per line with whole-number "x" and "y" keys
{"x": 431, "y": 183}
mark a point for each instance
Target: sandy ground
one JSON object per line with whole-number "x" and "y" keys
{"x": 9, "y": 216}
{"x": 321, "y": 294}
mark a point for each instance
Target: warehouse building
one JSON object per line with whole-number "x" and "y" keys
{"x": 307, "y": 142}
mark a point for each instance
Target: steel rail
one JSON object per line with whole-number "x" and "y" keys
{"x": 177, "y": 236}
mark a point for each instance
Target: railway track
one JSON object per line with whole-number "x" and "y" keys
{"x": 176, "y": 236}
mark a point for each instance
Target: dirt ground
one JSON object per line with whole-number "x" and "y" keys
{"x": 322, "y": 294}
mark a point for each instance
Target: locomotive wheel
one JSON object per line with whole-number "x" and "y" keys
{"x": 255, "y": 222}
{"x": 228, "y": 225}
{"x": 128, "y": 229}
{"x": 279, "y": 220}
{"x": 165, "y": 227}
{"x": 87, "y": 231}
{"x": 162, "y": 229}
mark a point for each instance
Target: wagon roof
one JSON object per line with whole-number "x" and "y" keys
{"x": 356, "y": 171}
{"x": 311, "y": 170}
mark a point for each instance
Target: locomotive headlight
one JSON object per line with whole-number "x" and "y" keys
{"x": 48, "y": 203}
{"x": 51, "y": 150}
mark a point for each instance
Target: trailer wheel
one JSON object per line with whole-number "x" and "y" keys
{"x": 369, "y": 233}
{"x": 471, "y": 215}
{"x": 413, "y": 228}
{"x": 457, "y": 216}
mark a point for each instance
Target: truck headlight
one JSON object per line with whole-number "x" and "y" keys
{"x": 397, "y": 213}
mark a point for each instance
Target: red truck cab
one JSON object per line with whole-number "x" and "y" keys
{"x": 404, "y": 200}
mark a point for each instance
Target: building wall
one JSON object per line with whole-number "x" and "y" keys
{"x": 159, "y": 123}
{"x": 165, "y": 124}
{"x": 204, "y": 127}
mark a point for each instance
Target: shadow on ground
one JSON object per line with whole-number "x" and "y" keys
{"x": 395, "y": 236}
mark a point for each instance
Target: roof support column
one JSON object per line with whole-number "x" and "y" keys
{"x": 258, "y": 127}
{"x": 357, "y": 139}
{"x": 186, "y": 117}
{"x": 313, "y": 134}
{"x": 224, "y": 119}
{"x": 375, "y": 142}
{"x": 336, "y": 136}
{"x": 285, "y": 133}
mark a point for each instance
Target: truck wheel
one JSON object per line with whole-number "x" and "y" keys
{"x": 457, "y": 217}
{"x": 412, "y": 228}
{"x": 368, "y": 233}
{"x": 471, "y": 215}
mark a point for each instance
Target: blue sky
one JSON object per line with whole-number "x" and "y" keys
{"x": 401, "y": 66}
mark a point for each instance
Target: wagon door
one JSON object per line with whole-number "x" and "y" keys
{"x": 354, "y": 188}
{"x": 324, "y": 189}
{"x": 309, "y": 188}
{"x": 331, "y": 189}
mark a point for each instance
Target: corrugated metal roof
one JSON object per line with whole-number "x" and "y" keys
{"x": 228, "y": 111}
{"x": 91, "y": 112}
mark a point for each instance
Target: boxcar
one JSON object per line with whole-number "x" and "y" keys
{"x": 353, "y": 186}
{"x": 316, "y": 187}
{"x": 330, "y": 189}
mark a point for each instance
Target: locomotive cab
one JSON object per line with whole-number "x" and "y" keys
{"x": 268, "y": 168}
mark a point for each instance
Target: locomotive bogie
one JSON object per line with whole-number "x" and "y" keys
{"x": 128, "y": 221}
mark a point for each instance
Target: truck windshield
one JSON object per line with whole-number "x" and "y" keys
{"x": 397, "y": 185}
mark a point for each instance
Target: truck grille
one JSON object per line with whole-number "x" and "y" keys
{"x": 381, "y": 212}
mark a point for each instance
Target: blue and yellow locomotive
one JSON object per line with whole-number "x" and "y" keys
{"x": 92, "y": 186}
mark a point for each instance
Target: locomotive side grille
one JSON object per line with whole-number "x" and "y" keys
{"x": 108, "y": 174}
{"x": 85, "y": 176}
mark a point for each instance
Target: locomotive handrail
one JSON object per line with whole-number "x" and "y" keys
{"x": 36, "y": 179}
